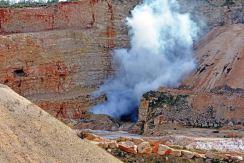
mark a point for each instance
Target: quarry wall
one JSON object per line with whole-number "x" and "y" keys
{"x": 57, "y": 55}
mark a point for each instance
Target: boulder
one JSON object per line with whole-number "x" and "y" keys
{"x": 144, "y": 148}
{"x": 128, "y": 147}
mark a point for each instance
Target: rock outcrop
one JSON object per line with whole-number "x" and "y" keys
{"x": 57, "y": 55}
{"x": 173, "y": 108}
{"x": 29, "y": 134}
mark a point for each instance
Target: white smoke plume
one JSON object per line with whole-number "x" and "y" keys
{"x": 160, "y": 55}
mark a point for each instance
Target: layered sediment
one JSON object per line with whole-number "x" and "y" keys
{"x": 57, "y": 55}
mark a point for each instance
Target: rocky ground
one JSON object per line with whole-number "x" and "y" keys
{"x": 170, "y": 148}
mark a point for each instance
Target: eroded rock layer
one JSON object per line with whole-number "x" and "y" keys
{"x": 57, "y": 55}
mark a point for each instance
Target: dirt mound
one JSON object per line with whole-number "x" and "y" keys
{"x": 29, "y": 134}
{"x": 220, "y": 56}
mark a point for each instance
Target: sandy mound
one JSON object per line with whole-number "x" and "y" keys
{"x": 29, "y": 134}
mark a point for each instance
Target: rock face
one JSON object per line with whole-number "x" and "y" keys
{"x": 57, "y": 55}
{"x": 29, "y": 134}
{"x": 65, "y": 15}
{"x": 211, "y": 97}
{"x": 191, "y": 109}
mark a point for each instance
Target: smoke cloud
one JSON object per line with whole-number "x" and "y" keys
{"x": 160, "y": 55}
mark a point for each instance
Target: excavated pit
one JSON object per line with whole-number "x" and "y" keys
{"x": 57, "y": 55}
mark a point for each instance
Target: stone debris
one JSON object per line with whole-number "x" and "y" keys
{"x": 139, "y": 146}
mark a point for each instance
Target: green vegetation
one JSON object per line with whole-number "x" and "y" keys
{"x": 26, "y": 3}
{"x": 29, "y": 3}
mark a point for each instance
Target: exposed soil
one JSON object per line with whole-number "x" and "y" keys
{"x": 220, "y": 60}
